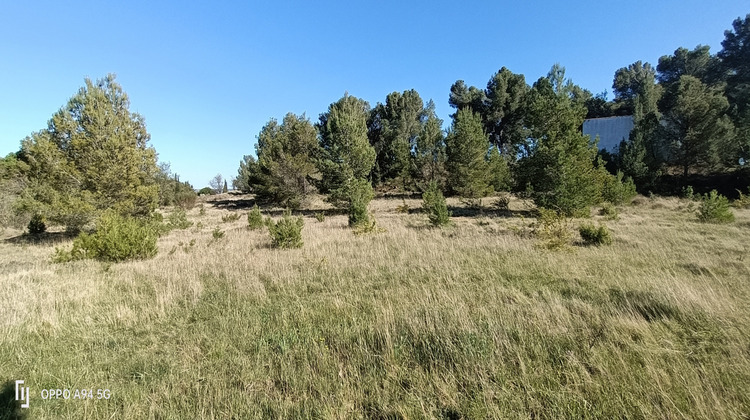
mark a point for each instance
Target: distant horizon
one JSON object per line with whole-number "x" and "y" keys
{"x": 206, "y": 78}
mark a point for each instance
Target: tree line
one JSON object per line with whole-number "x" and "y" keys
{"x": 691, "y": 117}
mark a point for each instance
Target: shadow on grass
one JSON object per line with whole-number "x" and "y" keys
{"x": 9, "y": 407}
{"x": 489, "y": 212}
{"x": 40, "y": 238}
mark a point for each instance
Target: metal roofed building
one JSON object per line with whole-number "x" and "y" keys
{"x": 611, "y": 130}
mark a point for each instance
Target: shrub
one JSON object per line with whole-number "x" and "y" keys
{"x": 202, "y": 211}
{"x": 255, "y": 219}
{"x": 715, "y": 209}
{"x": 503, "y": 202}
{"x": 320, "y": 216}
{"x": 37, "y": 224}
{"x": 185, "y": 199}
{"x": 688, "y": 193}
{"x": 552, "y": 228}
{"x": 116, "y": 238}
{"x": 206, "y": 191}
{"x": 217, "y": 234}
{"x": 617, "y": 190}
{"x": 744, "y": 201}
{"x": 178, "y": 220}
{"x": 609, "y": 211}
{"x": 433, "y": 202}
{"x": 593, "y": 235}
{"x": 231, "y": 217}
{"x": 287, "y": 232}
{"x": 359, "y": 194}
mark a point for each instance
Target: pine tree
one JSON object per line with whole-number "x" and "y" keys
{"x": 466, "y": 149}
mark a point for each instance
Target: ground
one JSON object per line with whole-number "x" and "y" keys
{"x": 470, "y": 321}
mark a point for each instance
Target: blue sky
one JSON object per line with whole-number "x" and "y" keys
{"x": 208, "y": 75}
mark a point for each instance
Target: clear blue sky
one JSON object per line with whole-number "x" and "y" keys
{"x": 207, "y": 76}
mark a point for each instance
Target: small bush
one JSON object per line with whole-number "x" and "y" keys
{"x": 37, "y": 224}
{"x": 553, "y": 230}
{"x": 688, "y": 193}
{"x": 217, "y": 234}
{"x": 744, "y": 201}
{"x": 593, "y": 235}
{"x": 715, "y": 209}
{"x": 287, "y": 232}
{"x": 433, "y": 202}
{"x": 359, "y": 194}
{"x": 185, "y": 199}
{"x": 116, "y": 239}
{"x": 320, "y": 216}
{"x": 206, "y": 191}
{"x": 178, "y": 220}
{"x": 403, "y": 208}
{"x": 231, "y": 217}
{"x": 609, "y": 211}
{"x": 503, "y": 202}
{"x": 617, "y": 189}
{"x": 255, "y": 219}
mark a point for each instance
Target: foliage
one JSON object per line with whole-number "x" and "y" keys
{"x": 37, "y": 224}
{"x": 499, "y": 170}
{"x": 225, "y": 189}
{"x": 688, "y": 193}
{"x": 593, "y": 235}
{"x": 346, "y": 152}
{"x": 320, "y": 216}
{"x": 287, "y": 232}
{"x": 231, "y": 217}
{"x": 430, "y": 151}
{"x": 434, "y": 205}
{"x": 94, "y": 155}
{"x": 178, "y": 219}
{"x": 558, "y": 170}
{"x": 617, "y": 190}
{"x": 743, "y": 202}
{"x": 714, "y": 208}
{"x": 553, "y": 229}
{"x": 206, "y": 191}
{"x": 403, "y": 208}
{"x": 248, "y": 167}
{"x": 286, "y": 167}
{"x": 202, "y": 210}
{"x": 359, "y": 194}
{"x": 393, "y": 129}
{"x": 117, "y": 238}
{"x": 466, "y": 149}
{"x": 503, "y": 201}
{"x": 172, "y": 192}
{"x": 609, "y": 211}
{"x": 255, "y": 218}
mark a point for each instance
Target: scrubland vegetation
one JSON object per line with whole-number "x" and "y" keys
{"x": 470, "y": 321}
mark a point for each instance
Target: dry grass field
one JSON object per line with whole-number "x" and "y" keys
{"x": 472, "y": 321}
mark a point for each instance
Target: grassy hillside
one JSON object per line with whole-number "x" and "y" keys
{"x": 472, "y": 321}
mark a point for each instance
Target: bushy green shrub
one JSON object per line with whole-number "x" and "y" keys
{"x": 320, "y": 216}
{"x": 116, "y": 238}
{"x": 206, "y": 191}
{"x": 688, "y": 193}
{"x": 359, "y": 194}
{"x": 178, "y": 219}
{"x": 37, "y": 224}
{"x": 287, "y": 232}
{"x": 255, "y": 218}
{"x": 617, "y": 190}
{"x": 185, "y": 199}
{"x": 715, "y": 209}
{"x": 593, "y": 235}
{"x": 609, "y": 211}
{"x": 553, "y": 230}
{"x": 433, "y": 202}
{"x": 217, "y": 234}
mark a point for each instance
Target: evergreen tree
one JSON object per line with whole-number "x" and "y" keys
{"x": 225, "y": 189}
{"x": 286, "y": 161}
{"x": 735, "y": 60}
{"x": 346, "y": 153}
{"x": 466, "y": 150}
{"x": 94, "y": 155}
{"x": 430, "y": 151}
